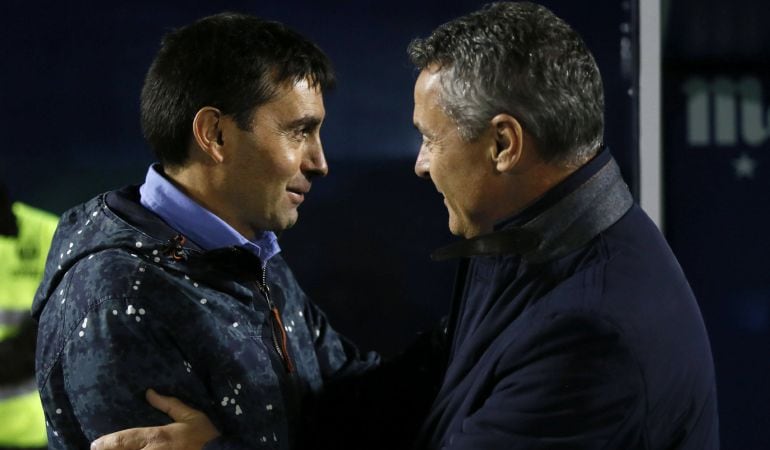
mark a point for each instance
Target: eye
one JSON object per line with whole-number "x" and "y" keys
{"x": 303, "y": 132}
{"x": 427, "y": 142}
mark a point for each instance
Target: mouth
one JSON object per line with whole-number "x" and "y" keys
{"x": 297, "y": 193}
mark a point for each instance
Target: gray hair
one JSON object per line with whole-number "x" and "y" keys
{"x": 519, "y": 59}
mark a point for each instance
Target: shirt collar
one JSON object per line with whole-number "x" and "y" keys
{"x": 197, "y": 223}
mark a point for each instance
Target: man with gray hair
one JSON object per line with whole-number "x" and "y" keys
{"x": 572, "y": 325}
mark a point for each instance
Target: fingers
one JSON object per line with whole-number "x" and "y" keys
{"x": 171, "y": 406}
{"x": 191, "y": 430}
{"x": 132, "y": 439}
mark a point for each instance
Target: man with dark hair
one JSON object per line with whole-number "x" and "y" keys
{"x": 572, "y": 325}
{"x": 178, "y": 284}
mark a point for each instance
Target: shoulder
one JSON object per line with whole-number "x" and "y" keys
{"x": 626, "y": 277}
{"x": 111, "y": 273}
{"x": 639, "y": 267}
{"x": 635, "y": 242}
{"x": 634, "y": 286}
{"x": 107, "y": 290}
{"x": 628, "y": 262}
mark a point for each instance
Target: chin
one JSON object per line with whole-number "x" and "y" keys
{"x": 279, "y": 224}
{"x": 464, "y": 229}
{"x": 456, "y": 228}
{"x": 290, "y": 221}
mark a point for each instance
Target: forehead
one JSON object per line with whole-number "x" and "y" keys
{"x": 294, "y": 99}
{"x": 428, "y": 114}
{"x": 426, "y": 88}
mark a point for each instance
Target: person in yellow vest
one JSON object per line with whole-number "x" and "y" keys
{"x": 25, "y": 238}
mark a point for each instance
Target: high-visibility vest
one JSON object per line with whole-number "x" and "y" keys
{"x": 22, "y": 262}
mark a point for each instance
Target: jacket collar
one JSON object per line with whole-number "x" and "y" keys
{"x": 174, "y": 248}
{"x": 569, "y": 221}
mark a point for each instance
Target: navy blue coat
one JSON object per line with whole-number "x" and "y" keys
{"x": 573, "y": 327}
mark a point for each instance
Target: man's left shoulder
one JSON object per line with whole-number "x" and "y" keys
{"x": 632, "y": 256}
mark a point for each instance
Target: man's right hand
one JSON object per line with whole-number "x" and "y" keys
{"x": 191, "y": 430}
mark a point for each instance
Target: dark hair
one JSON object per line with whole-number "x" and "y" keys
{"x": 519, "y": 59}
{"x": 233, "y": 62}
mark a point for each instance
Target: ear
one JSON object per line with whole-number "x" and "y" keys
{"x": 509, "y": 139}
{"x": 207, "y": 131}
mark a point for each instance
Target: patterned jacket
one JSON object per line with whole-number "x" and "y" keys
{"x": 127, "y": 304}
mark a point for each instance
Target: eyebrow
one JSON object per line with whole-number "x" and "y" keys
{"x": 423, "y": 132}
{"x": 305, "y": 122}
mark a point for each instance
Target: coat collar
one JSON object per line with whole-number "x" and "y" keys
{"x": 567, "y": 224}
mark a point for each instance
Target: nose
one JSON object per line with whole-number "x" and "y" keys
{"x": 422, "y": 165}
{"x": 314, "y": 164}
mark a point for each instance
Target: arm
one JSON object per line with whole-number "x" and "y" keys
{"x": 338, "y": 357}
{"x": 111, "y": 356}
{"x": 117, "y": 351}
{"x": 383, "y": 406}
{"x": 363, "y": 403}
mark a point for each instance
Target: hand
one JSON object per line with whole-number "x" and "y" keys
{"x": 191, "y": 430}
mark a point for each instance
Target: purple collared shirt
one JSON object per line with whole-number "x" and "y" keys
{"x": 197, "y": 223}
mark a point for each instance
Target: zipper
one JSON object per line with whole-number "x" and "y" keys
{"x": 280, "y": 340}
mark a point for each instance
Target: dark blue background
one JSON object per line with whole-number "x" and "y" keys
{"x": 72, "y": 76}
{"x": 716, "y": 220}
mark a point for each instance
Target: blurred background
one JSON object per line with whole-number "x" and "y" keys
{"x": 69, "y": 105}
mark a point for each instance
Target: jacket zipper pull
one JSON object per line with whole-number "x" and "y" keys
{"x": 276, "y": 317}
{"x": 276, "y": 324}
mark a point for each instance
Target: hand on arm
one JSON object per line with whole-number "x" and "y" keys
{"x": 191, "y": 430}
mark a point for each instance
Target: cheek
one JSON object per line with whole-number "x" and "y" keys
{"x": 460, "y": 190}
{"x": 447, "y": 175}
{"x": 291, "y": 162}
{"x": 274, "y": 165}
{"x": 285, "y": 160}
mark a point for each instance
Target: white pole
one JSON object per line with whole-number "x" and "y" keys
{"x": 650, "y": 111}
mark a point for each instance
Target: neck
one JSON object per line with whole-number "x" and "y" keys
{"x": 199, "y": 183}
{"x": 529, "y": 186}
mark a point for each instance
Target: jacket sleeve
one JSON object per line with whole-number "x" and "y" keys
{"x": 383, "y": 407}
{"x": 568, "y": 384}
{"x": 338, "y": 357}
{"x": 109, "y": 359}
